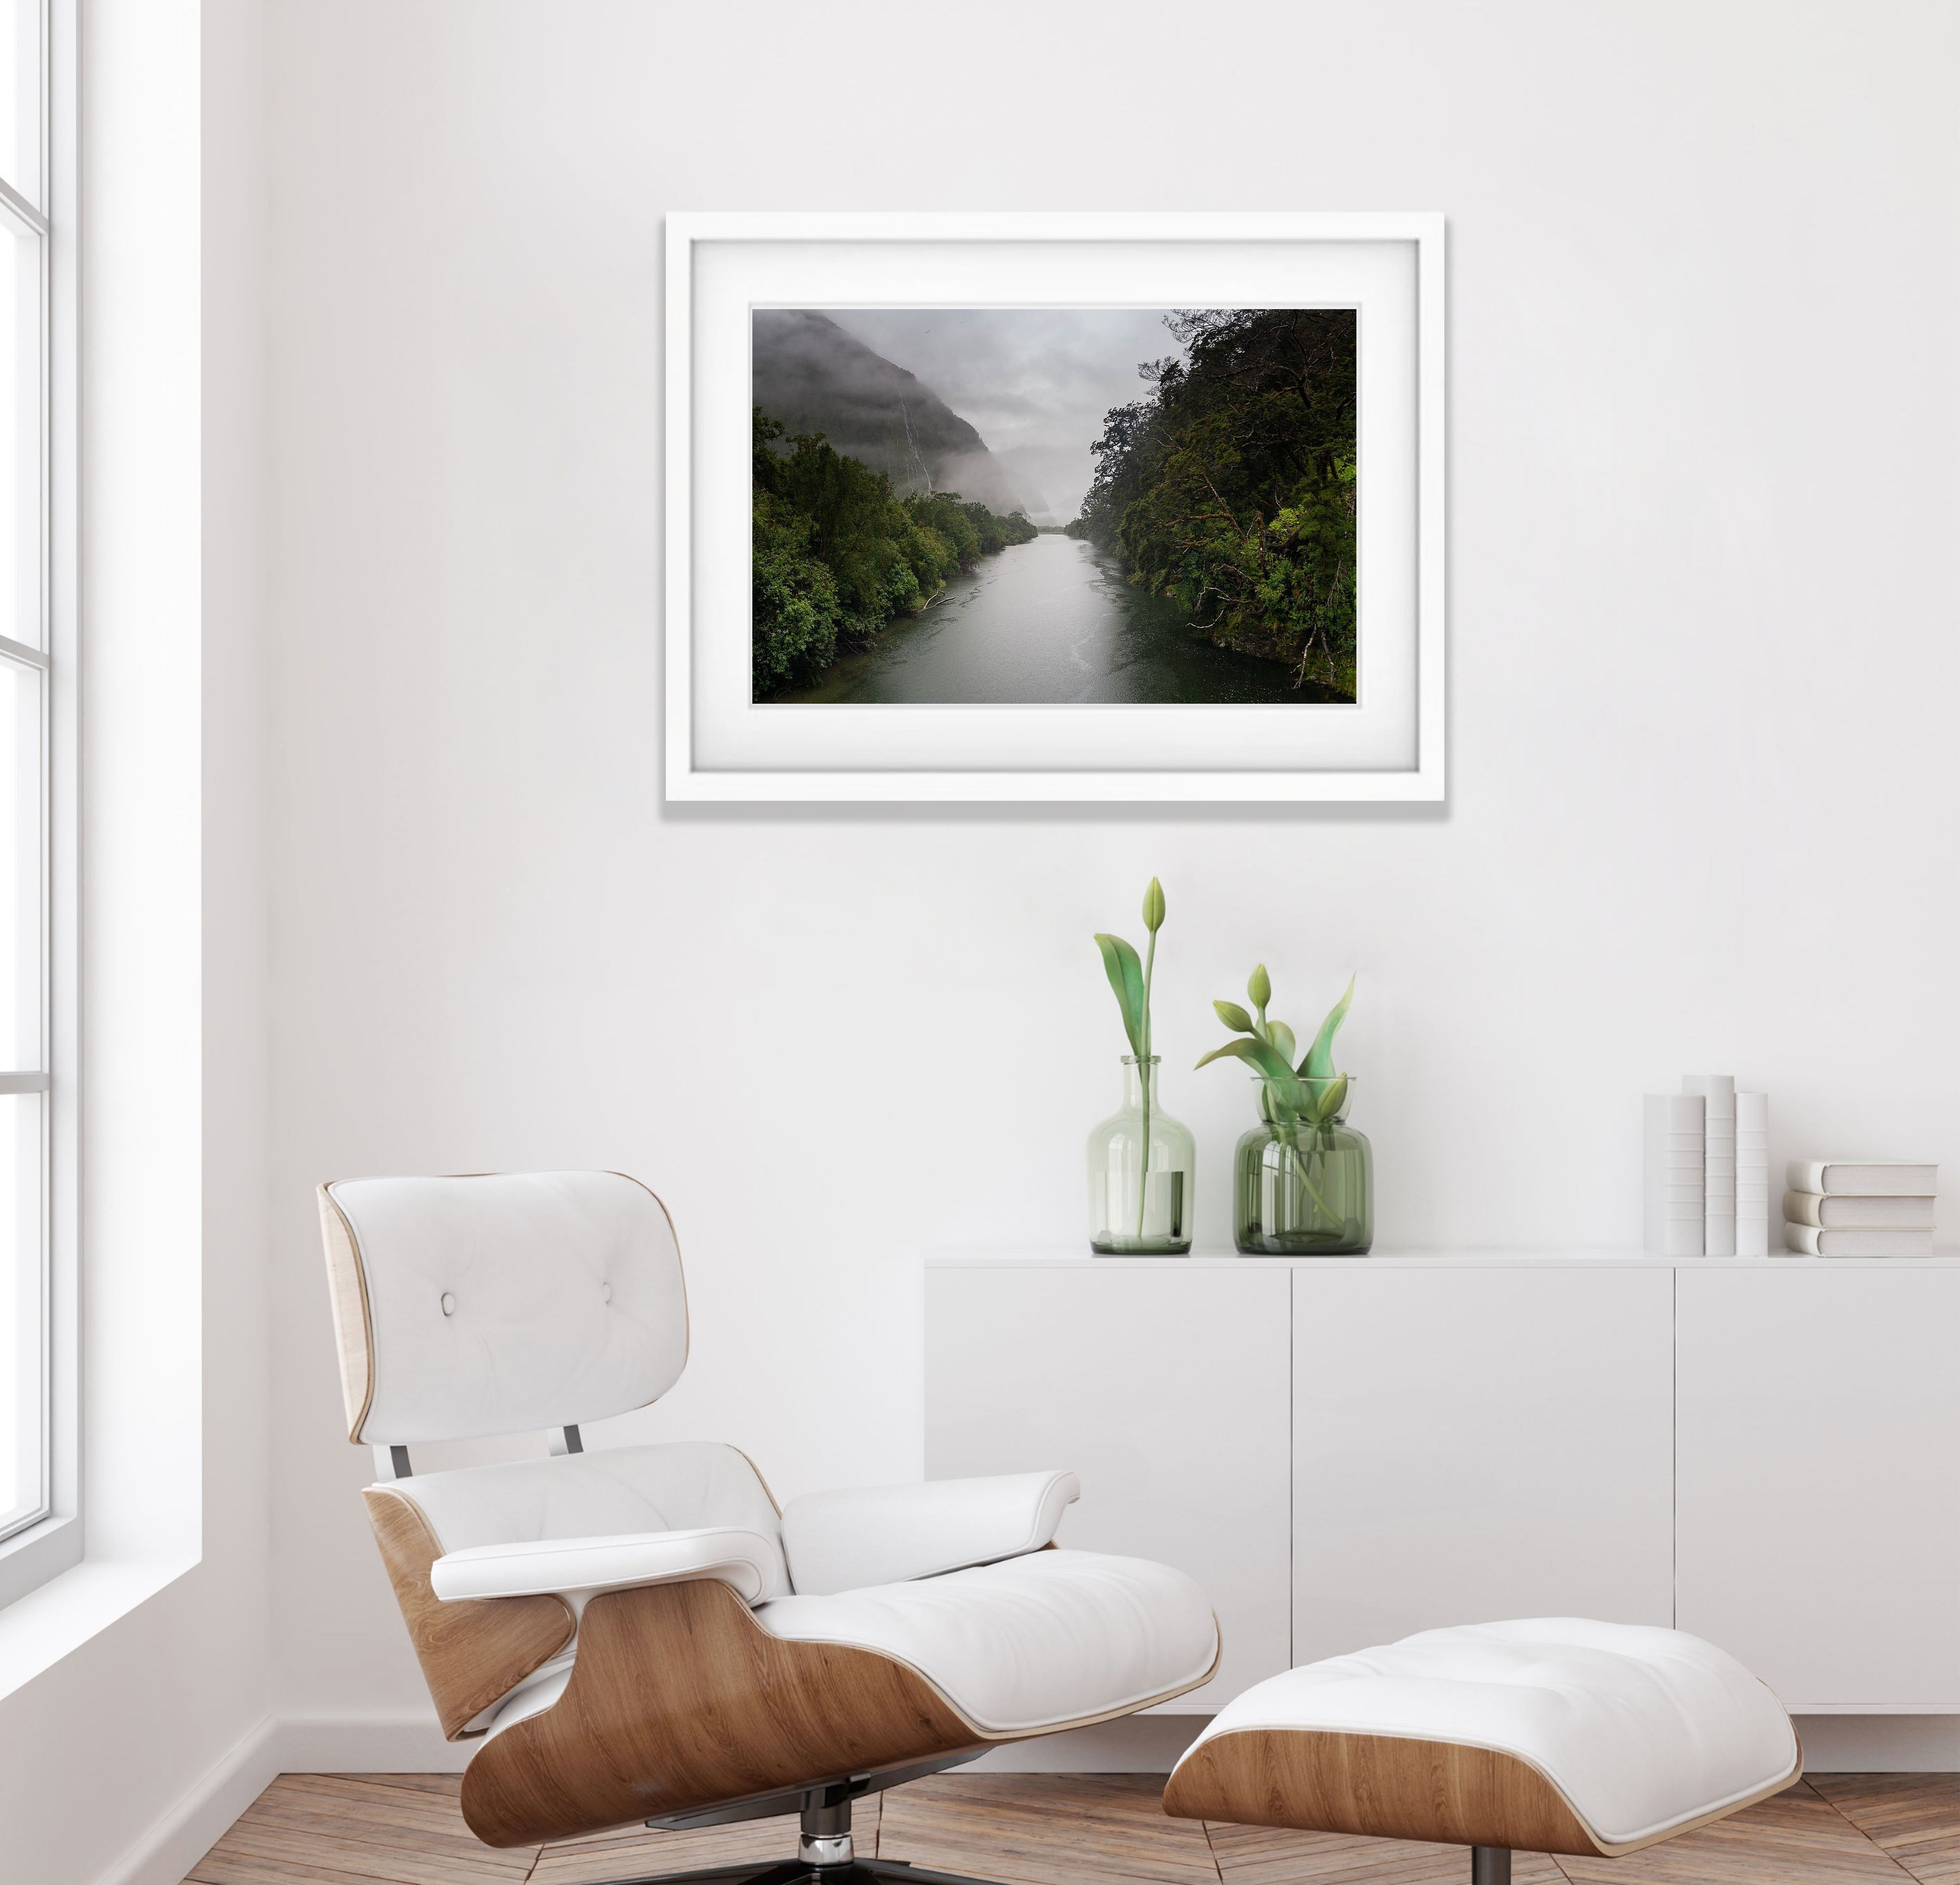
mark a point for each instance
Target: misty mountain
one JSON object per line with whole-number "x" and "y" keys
{"x": 814, "y": 378}
{"x": 1023, "y": 468}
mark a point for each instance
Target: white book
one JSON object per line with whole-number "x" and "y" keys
{"x": 1809, "y": 1240}
{"x": 1842, "y": 1211}
{"x": 1869, "y": 1177}
{"x": 1753, "y": 1174}
{"x": 1675, "y": 1205}
{"x": 1717, "y": 1094}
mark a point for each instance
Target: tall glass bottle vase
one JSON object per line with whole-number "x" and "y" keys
{"x": 1141, "y": 1162}
{"x": 1301, "y": 1188}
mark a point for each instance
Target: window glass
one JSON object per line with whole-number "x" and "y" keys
{"x": 21, "y": 868}
{"x": 21, "y": 97}
{"x": 23, "y": 1336}
{"x": 21, "y": 454}
{"x": 24, "y": 679}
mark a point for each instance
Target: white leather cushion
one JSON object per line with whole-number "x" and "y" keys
{"x": 883, "y": 1534}
{"x": 509, "y": 1303}
{"x": 1641, "y": 1729}
{"x": 1036, "y": 1643}
{"x": 624, "y": 1492}
{"x": 547, "y": 1567}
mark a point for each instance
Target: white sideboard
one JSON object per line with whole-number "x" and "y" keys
{"x": 1818, "y": 1527}
{"x": 1341, "y": 1451}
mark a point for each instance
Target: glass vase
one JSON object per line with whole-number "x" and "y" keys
{"x": 1303, "y": 1187}
{"x": 1140, "y": 1166}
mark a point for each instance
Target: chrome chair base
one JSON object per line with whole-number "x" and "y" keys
{"x": 852, "y": 1872}
{"x": 825, "y": 1854}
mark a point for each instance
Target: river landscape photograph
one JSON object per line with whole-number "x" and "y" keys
{"x": 1035, "y": 506}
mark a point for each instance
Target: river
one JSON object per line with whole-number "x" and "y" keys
{"x": 1051, "y": 621}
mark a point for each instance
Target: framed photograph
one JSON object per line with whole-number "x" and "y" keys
{"x": 1054, "y": 507}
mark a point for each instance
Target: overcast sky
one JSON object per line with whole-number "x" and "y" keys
{"x": 1034, "y": 382}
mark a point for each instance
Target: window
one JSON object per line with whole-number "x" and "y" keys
{"x": 30, "y": 664}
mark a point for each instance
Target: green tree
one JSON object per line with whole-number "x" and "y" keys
{"x": 837, "y": 553}
{"x": 796, "y": 608}
{"x": 1231, "y": 487}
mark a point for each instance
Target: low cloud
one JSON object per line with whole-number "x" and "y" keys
{"x": 1035, "y": 382}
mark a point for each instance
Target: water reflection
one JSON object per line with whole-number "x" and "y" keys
{"x": 1052, "y": 621}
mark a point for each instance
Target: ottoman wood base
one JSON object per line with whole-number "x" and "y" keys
{"x": 1384, "y": 1787}
{"x": 1378, "y": 1786}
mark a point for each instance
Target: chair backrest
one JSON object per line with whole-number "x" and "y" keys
{"x": 500, "y": 1303}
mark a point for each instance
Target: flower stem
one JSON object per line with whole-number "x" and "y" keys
{"x": 1290, "y": 1141}
{"x": 1143, "y": 1073}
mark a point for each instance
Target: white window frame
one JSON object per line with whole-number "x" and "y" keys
{"x": 39, "y": 1549}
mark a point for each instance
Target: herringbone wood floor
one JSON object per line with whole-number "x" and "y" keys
{"x": 1074, "y": 1829}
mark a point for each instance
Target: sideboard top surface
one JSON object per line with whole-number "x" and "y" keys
{"x": 1037, "y": 1256}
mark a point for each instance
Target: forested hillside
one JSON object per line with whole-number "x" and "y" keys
{"x": 839, "y": 552}
{"x": 815, "y": 377}
{"x": 1231, "y": 487}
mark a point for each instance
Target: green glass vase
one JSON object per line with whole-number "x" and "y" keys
{"x": 1141, "y": 1162}
{"x": 1299, "y": 1188}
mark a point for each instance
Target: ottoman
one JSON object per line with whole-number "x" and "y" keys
{"x": 1550, "y": 1735}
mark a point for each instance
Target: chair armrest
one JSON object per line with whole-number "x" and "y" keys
{"x": 565, "y": 1567}
{"x": 891, "y": 1534}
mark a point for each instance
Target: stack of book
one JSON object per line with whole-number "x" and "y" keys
{"x": 1718, "y": 1160}
{"x": 1865, "y": 1208}
{"x": 1707, "y": 1173}
{"x": 1753, "y": 1174}
{"x": 1676, "y": 1196}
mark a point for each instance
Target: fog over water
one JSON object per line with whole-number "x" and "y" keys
{"x": 1035, "y": 381}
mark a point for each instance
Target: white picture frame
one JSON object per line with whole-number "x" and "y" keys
{"x": 1387, "y": 745}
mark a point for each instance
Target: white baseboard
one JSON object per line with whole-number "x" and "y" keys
{"x": 413, "y": 1744}
{"x": 410, "y": 1743}
{"x": 1138, "y": 1744}
{"x": 1151, "y": 1744}
{"x": 199, "y": 1819}
{"x": 1880, "y": 1743}
{"x": 406, "y": 1743}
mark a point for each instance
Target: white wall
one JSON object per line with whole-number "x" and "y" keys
{"x": 1703, "y": 670}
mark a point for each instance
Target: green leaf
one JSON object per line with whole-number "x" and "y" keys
{"x": 1281, "y": 1037}
{"x": 1233, "y": 1016}
{"x": 1125, "y": 969}
{"x": 1254, "y": 1053}
{"x": 1260, "y": 987}
{"x": 1328, "y": 1096}
{"x": 1245, "y": 1050}
{"x": 1154, "y": 907}
{"x": 1319, "y": 1064}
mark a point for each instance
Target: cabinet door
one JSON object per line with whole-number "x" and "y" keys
{"x": 1475, "y": 1443}
{"x": 1164, "y": 1384}
{"x": 1820, "y": 1478}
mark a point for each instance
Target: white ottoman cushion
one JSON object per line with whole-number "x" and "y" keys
{"x": 1643, "y": 1732}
